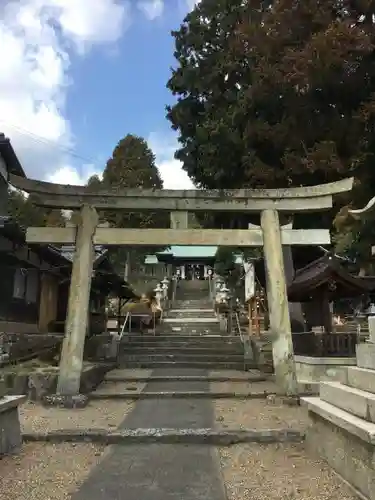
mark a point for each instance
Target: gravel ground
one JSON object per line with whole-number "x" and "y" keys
{"x": 98, "y": 414}
{"x": 47, "y": 472}
{"x": 244, "y": 387}
{"x": 267, "y": 413}
{"x": 278, "y": 472}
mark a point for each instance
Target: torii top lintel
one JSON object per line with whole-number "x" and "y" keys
{"x": 301, "y": 199}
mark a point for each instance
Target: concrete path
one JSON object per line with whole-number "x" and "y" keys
{"x": 159, "y": 471}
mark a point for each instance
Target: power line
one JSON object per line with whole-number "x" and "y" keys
{"x": 48, "y": 142}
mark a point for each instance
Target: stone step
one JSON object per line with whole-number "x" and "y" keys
{"x": 208, "y": 365}
{"x": 185, "y": 345}
{"x": 199, "y": 311}
{"x": 360, "y": 378}
{"x": 191, "y": 330}
{"x": 182, "y": 356}
{"x": 189, "y": 314}
{"x": 187, "y": 349}
{"x": 145, "y": 436}
{"x": 254, "y": 394}
{"x": 139, "y": 349}
{"x": 207, "y": 339}
{"x": 355, "y": 401}
{"x": 366, "y": 355}
{"x": 182, "y": 345}
{"x": 113, "y": 377}
{"x": 344, "y": 420}
{"x": 193, "y": 320}
{"x": 193, "y": 307}
{"x": 190, "y": 326}
{"x": 192, "y": 304}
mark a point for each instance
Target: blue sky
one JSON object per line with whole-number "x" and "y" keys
{"x": 128, "y": 87}
{"x": 88, "y": 72}
{"x": 124, "y": 91}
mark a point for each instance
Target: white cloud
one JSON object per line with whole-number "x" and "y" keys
{"x": 37, "y": 40}
{"x": 192, "y": 3}
{"x": 68, "y": 175}
{"x": 151, "y": 8}
{"x": 170, "y": 169}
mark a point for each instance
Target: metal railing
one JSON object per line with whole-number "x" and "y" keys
{"x": 124, "y": 325}
{"x": 237, "y": 323}
{"x": 128, "y": 321}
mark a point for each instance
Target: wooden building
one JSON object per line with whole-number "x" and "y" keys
{"x": 191, "y": 262}
{"x": 35, "y": 278}
{"x": 322, "y": 282}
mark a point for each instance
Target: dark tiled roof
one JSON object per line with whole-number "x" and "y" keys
{"x": 11, "y": 160}
{"x": 67, "y": 251}
{"x": 327, "y": 272}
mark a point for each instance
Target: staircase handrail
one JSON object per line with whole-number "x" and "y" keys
{"x": 237, "y": 317}
{"x": 174, "y": 290}
{"x": 124, "y": 325}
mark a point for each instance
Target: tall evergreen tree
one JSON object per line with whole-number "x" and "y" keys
{"x": 26, "y": 214}
{"x": 132, "y": 165}
{"x": 276, "y": 93}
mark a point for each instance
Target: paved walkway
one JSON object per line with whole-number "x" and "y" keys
{"x": 160, "y": 471}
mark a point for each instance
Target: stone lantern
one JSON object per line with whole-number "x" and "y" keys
{"x": 164, "y": 286}
{"x": 225, "y": 293}
{"x": 158, "y": 294}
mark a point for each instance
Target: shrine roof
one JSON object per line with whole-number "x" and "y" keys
{"x": 10, "y": 158}
{"x": 191, "y": 252}
{"x": 67, "y": 251}
{"x": 327, "y": 273}
{"x": 105, "y": 281}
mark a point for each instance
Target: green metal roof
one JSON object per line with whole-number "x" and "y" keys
{"x": 192, "y": 252}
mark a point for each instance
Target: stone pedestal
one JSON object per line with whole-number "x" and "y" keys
{"x": 10, "y": 429}
{"x": 343, "y": 421}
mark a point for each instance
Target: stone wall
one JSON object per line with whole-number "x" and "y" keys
{"x": 314, "y": 369}
{"x": 348, "y": 455}
{"x": 17, "y": 327}
{"x": 41, "y": 382}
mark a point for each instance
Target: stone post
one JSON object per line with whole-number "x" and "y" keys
{"x": 77, "y": 315}
{"x": 179, "y": 220}
{"x": 366, "y": 351}
{"x": 282, "y": 344}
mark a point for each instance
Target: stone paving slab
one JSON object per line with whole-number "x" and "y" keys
{"x": 176, "y": 413}
{"x": 161, "y": 471}
{"x": 142, "y": 375}
{"x": 156, "y": 472}
{"x": 130, "y": 373}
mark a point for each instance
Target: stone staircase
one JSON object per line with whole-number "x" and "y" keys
{"x": 189, "y": 336}
{"x": 343, "y": 422}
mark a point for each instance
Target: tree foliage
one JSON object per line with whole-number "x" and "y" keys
{"x": 276, "y": 94}
{"x": 132, "y": 165}
{"x": 26, "y": 214}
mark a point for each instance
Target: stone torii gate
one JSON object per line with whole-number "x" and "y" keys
{"x": 87, "y": 233}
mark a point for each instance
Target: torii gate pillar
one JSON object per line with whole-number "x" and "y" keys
{"x": 69, "y": 380}
{"x": 282, "y": 343}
